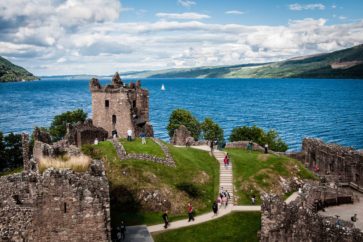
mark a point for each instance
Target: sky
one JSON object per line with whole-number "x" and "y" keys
{"x": 62, "y": 37}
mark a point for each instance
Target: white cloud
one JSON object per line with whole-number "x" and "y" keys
{"x": 46, "y": 44}
{"x": 312, "y": 6}
{"x": 188, "y": 15}
{"x": 342, "y": 17}
{"x": 236, "y": 12}
{"x": 186, "y": 3}
{"x": 333, "y": 6}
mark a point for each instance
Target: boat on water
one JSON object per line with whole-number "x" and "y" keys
{"x": 162, "y": 87}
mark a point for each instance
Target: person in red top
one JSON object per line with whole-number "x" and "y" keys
{"x": 225, "y": 161}
{"x": 190, "y": 212}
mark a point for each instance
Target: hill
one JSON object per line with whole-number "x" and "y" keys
{"x": 10, "y": 72}
{"x": 346, "y": 63}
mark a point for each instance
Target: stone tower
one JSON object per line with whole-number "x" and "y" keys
{"x": 118, "y": 107}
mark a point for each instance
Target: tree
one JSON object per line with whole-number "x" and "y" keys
{"x": 58, "y": 127}
{"x": 259, "y": 136}
{"x": 211, "y": 130}
{"x": 183, "y": 117}
{"x": 13, "y": 150}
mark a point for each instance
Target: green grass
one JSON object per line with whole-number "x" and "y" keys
{"x": 11, "y": 171}
{"x": 235, "y": 227}
{"x": 137, "y": 147}
{"x": 195, "y": 168}
{"x": 254, "y": 172}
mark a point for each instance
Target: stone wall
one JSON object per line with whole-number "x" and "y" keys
{"x": 296, "y": 222}
{"x": 336, "y": 162}
{"x": 58, "y": 205}
{"x": 243, "y": 145}
{"x": 84, "y": 133}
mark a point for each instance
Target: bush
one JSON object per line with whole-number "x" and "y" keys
{"x": 189, "y": 188}
{"x": 183, "y": 117}
{"x": 58, "y": 127}
{"x": 211, "y": 130}
{"x": 11, "y": 155}
{"x": 259, "y": 136}
{"x": 91, "y": 151}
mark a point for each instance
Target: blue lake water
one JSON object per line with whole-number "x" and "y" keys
{"x": 328, "y": 109}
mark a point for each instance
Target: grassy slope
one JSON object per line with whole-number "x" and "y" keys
{"x": 137, "y": 147}
{"x": 260, "y": 172}
{"x": 235, "y": 227}
{"x": 310, "y": 67}
{"x": 193, "y": 166}
{"x": 11, "y": 72}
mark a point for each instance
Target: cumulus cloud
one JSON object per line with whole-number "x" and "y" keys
{"x": 235, "y": 12}
{"x": 188, "y": 15}
{"x": 312, "y": 6}
{"x": 100, "y": 44}
{"x": 186, "y": 3}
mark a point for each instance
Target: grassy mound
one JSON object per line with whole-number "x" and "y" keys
{"x": 233, "y": 227}
{"x": 137, "y": 147}
{"x": 195, "y": 178}
{"x": 255, "y": 172}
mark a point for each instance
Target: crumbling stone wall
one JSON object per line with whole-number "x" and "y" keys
{"x": 58, "y": 205}
{"x": 120, "y": 107}
{"x": 182, "y": 136}
{"x": 84, "y": 133}
{"x": 297, "y": 222}
{"x": 340, "y": 163}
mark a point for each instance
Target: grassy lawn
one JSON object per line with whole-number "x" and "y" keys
{"x": 195, "y": 178}
{"x": 12, "y": 171}
{"x": 254, "y": 172}
{"x": 137, "y": 147}
{"x": 237, "y": 226}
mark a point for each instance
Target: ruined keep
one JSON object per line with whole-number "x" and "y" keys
{"x": 334, "y": 162}
{"x": 118, "y": 107}
{"x": 57, "y": 205}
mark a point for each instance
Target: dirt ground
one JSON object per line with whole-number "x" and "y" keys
{"x": 346, "y": 211}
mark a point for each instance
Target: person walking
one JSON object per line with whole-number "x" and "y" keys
{"x": 225, "y": 161}
{"x": 129, "y": 135}
{"x": 190, "y": 212}
{"x": 211, "y": 146}
{"x": 166, "y": 219}
{"x": 266, "y": 148}
{"x": 123, "y": 230}
{"x": 253, "y": 199}
{"x": 225, "y": 201}
{"x": 215, "y": 208}
{"x": 143, "y": 139}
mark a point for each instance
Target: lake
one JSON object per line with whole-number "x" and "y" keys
{"x": 328, "y": 109}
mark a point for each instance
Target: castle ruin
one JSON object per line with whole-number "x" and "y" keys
{"x": 118, "y": 107}
{"x": 336, "y": 163}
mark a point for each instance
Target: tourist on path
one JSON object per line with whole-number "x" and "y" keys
{"x": 190, "y": 212}
{"x": 215, "y": 208}
{"x": 225, "y": 161}
{"x": 143, "y": 139}
{"x": 166, "y": 219}
{"x": 253, "y": 199}
{"x": 211, "y": 146}
{"x": 266, "y": 148}
{"x": 225, "y": 201}
{"x": 123, "y": 230}
{"x": 129, "y": 135}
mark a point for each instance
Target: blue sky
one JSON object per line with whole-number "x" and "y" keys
{"x": 54, "y": 37}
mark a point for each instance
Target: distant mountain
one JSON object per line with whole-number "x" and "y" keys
{"x": 13, "y": 73}
{"x": 347, "y": 63}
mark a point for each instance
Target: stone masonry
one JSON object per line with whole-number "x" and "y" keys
{"x": 118, "y": 107}
{"x": 57, "y": 205}
{"x": 337, "y": 163}
{"x": 298, "y": 222}
{"x": 84, "y": 133}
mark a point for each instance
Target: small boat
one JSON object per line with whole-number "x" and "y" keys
{"x": 162, "y": 87}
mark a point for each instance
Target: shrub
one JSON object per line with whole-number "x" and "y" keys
{"x": 259, "y": 136}
{"x": 211, "y": 130}
{"x": 10, "y": 151}
{"x": 189, "y": 188}
{"x": 183, "y": 117}
{"x": 91, "y": 151}
{"x": 58, "y": 128}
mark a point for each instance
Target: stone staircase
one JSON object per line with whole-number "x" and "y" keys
{"x": 226, "y": 176}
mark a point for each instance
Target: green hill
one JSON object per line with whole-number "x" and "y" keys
{"x": 346, "y": 63}
{"x": 13, "y": 73}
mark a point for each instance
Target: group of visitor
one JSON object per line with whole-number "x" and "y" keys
{"x": 190, "y": 210}
{"x": 222, "y": 200}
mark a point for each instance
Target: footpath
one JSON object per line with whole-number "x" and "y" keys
{"x": 226, "y": 181}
